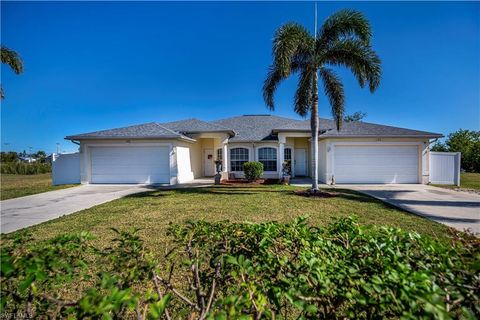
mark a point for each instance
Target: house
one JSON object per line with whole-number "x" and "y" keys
{"x": 27, "y": 159}
{"x": 180, "y": 151}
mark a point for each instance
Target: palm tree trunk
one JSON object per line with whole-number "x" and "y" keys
{"x": 314, "y": 127}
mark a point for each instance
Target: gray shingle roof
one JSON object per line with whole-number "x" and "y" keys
{"x": 328, "y": 129}
{"x": 250, "y": 128}
{"x": 196, "y": 126}
{"x": 256, "y": 127}
{"x": 146, "y": 131}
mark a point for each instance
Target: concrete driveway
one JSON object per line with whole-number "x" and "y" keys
{"x": 27, "y": 211}
{"x": 460, "y": 210}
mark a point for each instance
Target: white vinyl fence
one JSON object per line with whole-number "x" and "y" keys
{"x": 445, "y": 168}
{"x": 66, "y": 168}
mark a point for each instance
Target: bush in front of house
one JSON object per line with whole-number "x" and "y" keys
{"x": 25, "y": 168}
{"x": 245, "y": 271}
{"x": 253, "y": 170}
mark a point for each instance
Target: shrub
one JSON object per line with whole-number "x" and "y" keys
{"x": 25, "y": 168}
{"x": 253, "y": 170}
{"x": 247, "y": 271}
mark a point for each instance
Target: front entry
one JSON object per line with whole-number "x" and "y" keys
{"x": 300, "y": 162}
{"x": 208, "y": 163}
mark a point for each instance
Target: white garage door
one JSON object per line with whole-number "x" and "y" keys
{"x": 376, "y": 164}
{"x": 130, "y": 165}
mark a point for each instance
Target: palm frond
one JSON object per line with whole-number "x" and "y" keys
{"x": 334, "y": 91}
{"x": 304, "y": 93}
{"x": 270, "y": 85}
{"x": 359, "y": 57}
{"x": 291, "y": 42}
{"x": 12, "y": 59}
{"x": 344, "y": 24}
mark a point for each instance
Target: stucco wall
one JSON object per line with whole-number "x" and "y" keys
{"x": 184, "y": 168}
{"x": 423, "y": 153}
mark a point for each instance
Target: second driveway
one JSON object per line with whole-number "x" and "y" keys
{"x": 460, "y": 210}
{"x": 27, "y": 211}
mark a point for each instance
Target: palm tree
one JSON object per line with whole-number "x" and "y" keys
{"x": 342, "y": 40}
{"x": 12, "y": 59}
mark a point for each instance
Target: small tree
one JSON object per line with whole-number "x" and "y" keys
{"x": 355, "y": 117}
{"x": 253, "y": 170}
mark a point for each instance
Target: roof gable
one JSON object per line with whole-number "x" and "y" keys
{"x": 146, "y": 130}
{"x": 251, "y": 128}
{"x": 195, "y": 126}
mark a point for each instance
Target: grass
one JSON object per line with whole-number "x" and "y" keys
{"x": 153, "y": 211}
{"x": 468, "y": 180}
{"x": 17, "y": 185}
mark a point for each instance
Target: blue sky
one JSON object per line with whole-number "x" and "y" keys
{"x": 99, "y": 65}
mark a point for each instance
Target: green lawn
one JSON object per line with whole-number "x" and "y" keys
{"x": 153, "y": 211}
{"x": 17, "y": 185}
{"x": 468, "y": 180}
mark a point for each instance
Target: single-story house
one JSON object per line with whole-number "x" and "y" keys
{"x": 180, "y": 151}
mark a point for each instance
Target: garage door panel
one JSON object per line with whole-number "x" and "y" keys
{"x": 376, "y": 164}
{"x": 130, "y": 165}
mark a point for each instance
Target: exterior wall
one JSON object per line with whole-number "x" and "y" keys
{"x": 304, "y": 143}
{"x": 184, "y": 167}
{"x": 253, "y": 156}
{"x": 187, "y": 158}
{"x": 322, "y": 161}
{"x": 66, "y": 169}
{"x": 86, "y": 145}
{"x": 423, "y": 153}
{"x": 196, "y": 159}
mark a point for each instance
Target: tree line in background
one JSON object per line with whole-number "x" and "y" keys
{"x": 23, "y": 163}
{"x": 465, "y": 141}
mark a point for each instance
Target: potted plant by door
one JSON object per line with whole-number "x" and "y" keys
{"x": 286, "y": 171}
{"x": 218, "y": 168}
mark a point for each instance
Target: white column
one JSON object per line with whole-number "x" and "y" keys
{"x": 281, "y": 159}
{"x": 225, "y": 156}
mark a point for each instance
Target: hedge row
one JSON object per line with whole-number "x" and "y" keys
{"x": 25, "y": 168}
{"x": 245, "y": 271}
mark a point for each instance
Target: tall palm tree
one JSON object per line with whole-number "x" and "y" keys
{"x": 342, "y": 40}
{"x": 12, "y": 59}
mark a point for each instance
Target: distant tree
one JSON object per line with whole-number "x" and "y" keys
{"x": 8, "y": 157}
{"x": 354, "y": 117}
{"x": 41, "y": 156}
{"x": 465, "y": 141}
{"x": 13, "y": 60}
{"x": 468, "y": 143}
{"x": 342, "y": 40}
{"x": 439, "y": 147}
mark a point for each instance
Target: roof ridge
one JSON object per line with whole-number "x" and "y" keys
{"x": 167, "y": 129}
{"x": 390, "y": 126}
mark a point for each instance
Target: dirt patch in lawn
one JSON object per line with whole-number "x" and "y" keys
{"x": 319, "y": 194}
{"x": 245, "y": 182}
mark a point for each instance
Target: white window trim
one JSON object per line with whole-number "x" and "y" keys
{"x": 268, "y": 146}
{"x": 250, "y": 157}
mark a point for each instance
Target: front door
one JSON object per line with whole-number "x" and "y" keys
{"x": 300, "y": 162}
{"x": 208, "y": 163}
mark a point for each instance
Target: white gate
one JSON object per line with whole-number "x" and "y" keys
{"x": 66, "y": 168}
{"x": 445, "y": 168}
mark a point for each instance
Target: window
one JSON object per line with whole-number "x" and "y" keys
{"x": 287, "y": 154}
{"x": 219, "y": 154}
{"x": 238, "y": 156}
{"x": 287, "y": 161}
{"x": 268, "y": 156}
